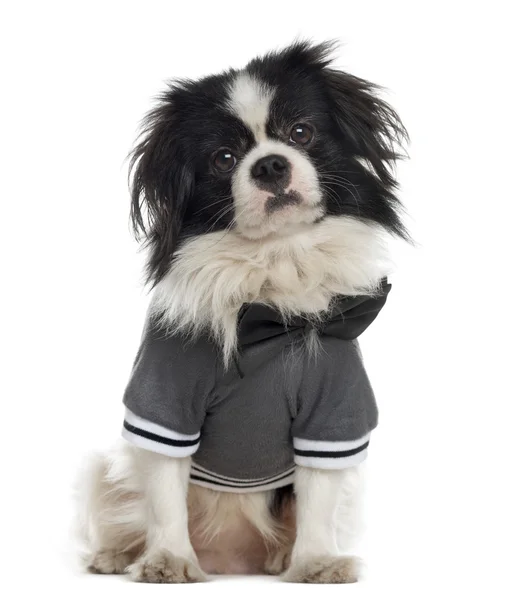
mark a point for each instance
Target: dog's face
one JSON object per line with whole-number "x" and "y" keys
{"x": 265, "y": 151}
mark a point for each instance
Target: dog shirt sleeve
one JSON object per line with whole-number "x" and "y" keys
{"x": 166, "y": 397}
{"x": 336, "y": 408}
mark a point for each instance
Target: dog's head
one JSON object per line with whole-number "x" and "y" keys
{"x": 266, "y": 151}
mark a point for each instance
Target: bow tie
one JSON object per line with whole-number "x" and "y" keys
{"x": 346, "y": 318}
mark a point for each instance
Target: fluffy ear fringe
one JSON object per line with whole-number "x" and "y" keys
{"x": 161, "y": 182}
{"x": 372, "y": 126}
{"x": 374, "y": 133}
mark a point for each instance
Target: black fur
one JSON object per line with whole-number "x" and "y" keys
{"x": 177, "y": 193}
{"x": 281, "y": 497}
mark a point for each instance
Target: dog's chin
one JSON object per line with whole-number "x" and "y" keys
{"x": 283, "y": 222}
{"x": 284, "y": 214}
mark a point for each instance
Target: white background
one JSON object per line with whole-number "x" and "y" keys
{"x": 76, "y": 79}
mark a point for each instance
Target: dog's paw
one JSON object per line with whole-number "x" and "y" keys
{"x": 108, "y": 562}
{"x": 164, "y": 567}
{"x": 278, "y": 561}
{"x": 324, "y": 569}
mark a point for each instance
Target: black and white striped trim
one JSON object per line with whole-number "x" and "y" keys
{"x": 330, "y": 455}
{"x": 206, "y": 478}
{"x": 156, "y": 438}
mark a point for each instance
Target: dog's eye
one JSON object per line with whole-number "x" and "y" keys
{"x": 224, "y": 160}
{"x": 301, "y": 134}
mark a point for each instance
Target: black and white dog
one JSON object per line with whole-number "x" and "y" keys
{"x": 264, "y": 196}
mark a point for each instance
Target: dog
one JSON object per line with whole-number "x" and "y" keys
{"x": 265, "y": 197}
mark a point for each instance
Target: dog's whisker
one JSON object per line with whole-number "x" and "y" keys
{"x": 221, "y": 214}
{"x": 341, "y": 183}
{"x": 218, "y": 201}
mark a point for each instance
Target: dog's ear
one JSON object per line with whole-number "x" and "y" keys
{"x": 162, "y": 182}
{"x": 371, "y": 129}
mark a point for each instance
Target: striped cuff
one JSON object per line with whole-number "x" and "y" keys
{"x": 214, "y": 481}
{"x": 156, "y": 438}
{"x": 330, "y": 455}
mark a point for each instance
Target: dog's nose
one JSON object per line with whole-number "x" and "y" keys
{"x": 270, "y": 169}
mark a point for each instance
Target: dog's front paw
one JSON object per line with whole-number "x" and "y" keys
{"x": 164, "y": 567}
{"x": 324, "y": 569}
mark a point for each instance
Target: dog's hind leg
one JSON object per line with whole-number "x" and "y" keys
{"x": 111, "y": 512}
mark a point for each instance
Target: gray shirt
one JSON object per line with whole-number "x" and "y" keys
{"x": 278, "y": 405}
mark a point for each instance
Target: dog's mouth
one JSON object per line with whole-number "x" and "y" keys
{"x": 283, "y": 213}
{"x": 281, "y": 200}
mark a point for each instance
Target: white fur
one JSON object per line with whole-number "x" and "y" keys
{"x": 251, "y": 217}
{"x": 213, "y": 275}
{"x": 164, "y": 481}
{"x": 334, "y": 527}
{"x": 132, "y": 506}
{"x": 249, "y": 100}
{"x": 133, "y": 509}
{"x": 215, "y": 508}
{"x": 110, "y": 512}
{"x": 328, "y": 518}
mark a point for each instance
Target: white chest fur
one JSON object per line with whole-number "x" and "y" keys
{"x": 213, "y": 275}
